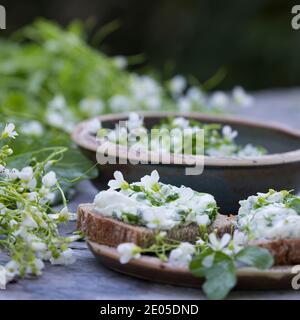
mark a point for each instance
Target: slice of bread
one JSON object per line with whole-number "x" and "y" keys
{"x": 112, "y": 232}
{"x": 284, "y": 251}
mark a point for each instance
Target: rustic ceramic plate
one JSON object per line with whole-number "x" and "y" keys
{"x": 229, "y": 179}
{"x": 152, "y": 269}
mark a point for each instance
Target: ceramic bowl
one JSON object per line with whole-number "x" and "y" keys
{"x": 227, "y": 179}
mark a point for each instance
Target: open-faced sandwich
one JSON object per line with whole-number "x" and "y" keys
{"x": 272, "y": 220}
{"x": 136, "y": 212}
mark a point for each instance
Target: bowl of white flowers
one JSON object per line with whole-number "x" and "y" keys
{"x": 238, "y": 156}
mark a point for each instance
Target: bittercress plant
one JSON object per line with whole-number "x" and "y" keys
{"x": 29, "y": 232}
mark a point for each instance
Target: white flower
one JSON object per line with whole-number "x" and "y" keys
{"x": 181, "y": 122}
{"x": 128, "y": 251}
{"x": 202, "y": 220}
{"x": 200, "y": 241}
{"x": 13, "y": 174}
{"x": 119, "y": 103}
{"x": 32, "y": 128}
{"x": 184, "y": 104}
{"x": 148, "y": 182}
{"x": 228, "y": 133}
{"x": 12, "y": 270}
{"x": 118, "y": 182}
{"x": 66, "y": 257}
{"x": 64, "y": 214}
{"x": 2, "y": 169}
{"x": 182, "y": 255}
{"x": 152, "y": 102}
{"x": 94, "y": 126}
{"x": 120, "y": 62}
{"x": 58, "y": 103}
{"x": 29, "y": 222}
{"x": 26, "y": 174}
{"x": 32, "y": 196}
{"x": 91, "y": 107}
{"x": 134, "y": 121}
{"x": 38, "y": 246}
{"x": 249, "y": 151}
{"x": 158, "y": 218}
{"x": 219, "y": 99}
{"x": 38, "y": 266}
{"x": 2, "y": 278}
{"x": 55, "y": 119}
{"x": 9, "y": 131}
{"x": 177, "y": 84}
{"x": 217, "y": 244}
{"x": 195, "y": 95}
{"x": 49, "y": 180}
{"x": 46, "y": 194}
{"x": 239, "y": 240}
{"x": 241, "y": 98}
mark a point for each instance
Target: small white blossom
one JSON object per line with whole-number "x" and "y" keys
{"x": 36, "y": 269}
{"x": 240, "y": 97}
{"x": 177, "y": 85}
{"x": 120, "y": 62}
{"x": 2, "y": 278}
{"x": 128, "y": 251}
{"x": 66, "y": 257}
{"x": 58, "y": 103}
{"x": 182, "y": 256}
{"x": 218, "y": 100}
{"x": 94, "y": 126}
{"x": 184, "y": 104}
{"x": 134, "y": 121}
{"x": 118, "y": 182}
{"x": 202, "y": 220}
{"x": 13, "y": 174}
{"x": 9, "y": 131}
{"x": 228, "y": 133}
{"x": 119, "y": 103}
{"x": 91, "y": 107}
{"x": 181, "y": 122}
{"x": 38, "y": 246}
{"x": 29, "y": 222}
{"x": 217, "y": 244}
{"x": 49, "y": 180}
{"x": 148, "y": 182}
{"x": 158, "y": 218}
{"x": 26, "y": 174}
{"x": 32, "y": 128}
{"x": 12, "y": 270}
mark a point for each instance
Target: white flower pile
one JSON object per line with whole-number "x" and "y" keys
{"x": 153, "y": 204}
{"x": 177, "y": 136}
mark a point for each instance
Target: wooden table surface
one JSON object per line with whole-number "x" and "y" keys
{"x": 87, "y": 279}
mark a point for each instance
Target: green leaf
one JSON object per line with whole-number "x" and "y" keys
{"x": 220, "y": 278}
{"x": 256, "y": 257}
{"x": 295, "y": 204}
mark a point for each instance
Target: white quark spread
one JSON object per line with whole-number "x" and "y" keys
{"x": 271, "y": 215}
{"x": 153, "y": 204}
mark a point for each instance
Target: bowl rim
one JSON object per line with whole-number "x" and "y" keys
{"x": 82, "y": 137}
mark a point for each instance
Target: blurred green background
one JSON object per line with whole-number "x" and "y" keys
{"x": 252, "y": 42}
